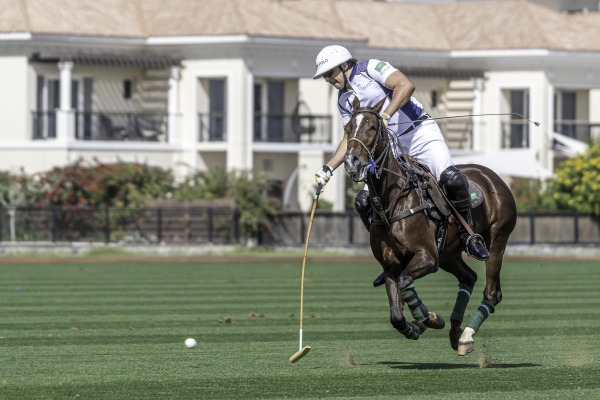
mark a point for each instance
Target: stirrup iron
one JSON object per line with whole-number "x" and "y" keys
{"x": 474, "y": 239}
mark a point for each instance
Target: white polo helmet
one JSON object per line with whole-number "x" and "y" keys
{"x": 331, "y": 57}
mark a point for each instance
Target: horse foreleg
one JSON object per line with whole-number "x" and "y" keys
{"x": 466, "y": 343}
{"x": 419, "y": 266}
{"x": 397, "y": 318}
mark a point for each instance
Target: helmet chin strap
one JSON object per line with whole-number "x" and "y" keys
{"x": 344, "y": 74}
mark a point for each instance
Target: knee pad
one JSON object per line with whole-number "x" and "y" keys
{"x": 456, "y": 186}
{"x": 362, "y": 202}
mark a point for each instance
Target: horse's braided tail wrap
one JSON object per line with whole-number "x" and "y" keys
{"x": 414, "y": 228}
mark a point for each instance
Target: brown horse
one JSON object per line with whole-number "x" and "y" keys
{"x": 414, "y": 233}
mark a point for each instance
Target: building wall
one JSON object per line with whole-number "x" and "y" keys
{"x": 495, "y": 102}
{"x": 238, "y": 97}
{"x": 594, "y": 106}
{"x": 14, "y": 101}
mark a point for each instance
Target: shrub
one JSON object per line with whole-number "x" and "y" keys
{"x": 100, "y": 184}
{"x": 577, "y": 183}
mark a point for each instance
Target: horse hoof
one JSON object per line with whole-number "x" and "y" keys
{"x": 466, "y": 343}
{"x": 454, "y": 338}
{"x": 419, "y": 327}
{"x": 412, "y": 331}
{"x": 435, "y": 321}
{"x": 465, "y": 348}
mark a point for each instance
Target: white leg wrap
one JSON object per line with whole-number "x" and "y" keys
{"x": 465, "y": 343}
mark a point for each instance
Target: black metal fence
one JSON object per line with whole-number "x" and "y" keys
{"x": 193, "y": 225}
{"x": 221, "y": 225}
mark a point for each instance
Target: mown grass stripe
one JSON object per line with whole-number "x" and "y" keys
{"x": 116, "y": 332}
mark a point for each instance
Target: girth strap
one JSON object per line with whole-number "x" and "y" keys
{"x": 402, "y": 215}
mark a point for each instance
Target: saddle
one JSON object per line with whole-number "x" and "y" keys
{"x": 433, "y": 201}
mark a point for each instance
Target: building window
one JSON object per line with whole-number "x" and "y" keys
{"x": 269, "y": 100}
{"x": 434, "y": 98}
{"x": 515, "y": 131}
{"x": 567, "y": 116}
{"x": 217, "y": 124}
{"x": 127, "y": 89}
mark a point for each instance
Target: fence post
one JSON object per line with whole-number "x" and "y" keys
{"x": 54, "y": 223}
{"x": 350, "y": 228}
{"x": 159, "y": 224}
{"x": 302, "y": 228}
{"x": 531, "y": 228}
{"x": 236, "y": 225}
{"x": 106, "y": 226}
{"x": 1, "y": 221}
{"x": 210, "y": 225}
{"x": 576, "y": 228}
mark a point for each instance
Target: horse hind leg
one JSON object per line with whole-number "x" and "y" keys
{"x": 466, "y": 281}
{"x": 492, "y": 295}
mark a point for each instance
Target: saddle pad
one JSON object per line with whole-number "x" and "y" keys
{"x": 476, "y": 194}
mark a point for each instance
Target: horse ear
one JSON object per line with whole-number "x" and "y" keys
{"x": 356, "y": 104}
{"x": 379, "y": 105}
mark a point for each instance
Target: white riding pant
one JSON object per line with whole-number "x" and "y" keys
{"x": 426, "y": 144}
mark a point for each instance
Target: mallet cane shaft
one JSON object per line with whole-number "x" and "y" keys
{"x": 304, "y": 350}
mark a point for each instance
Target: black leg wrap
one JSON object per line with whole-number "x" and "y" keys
{"x": 415, "y": 305}
{"x": 410, "y": 331}
{"x": 417, "y": 308}
{"x": 362, "y": 205}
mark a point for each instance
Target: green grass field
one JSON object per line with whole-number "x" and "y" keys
{"x": 116, "y": 331}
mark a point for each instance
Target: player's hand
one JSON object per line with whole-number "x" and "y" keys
{"x": 385, "y": 118}
{"x": 323, "y": 175}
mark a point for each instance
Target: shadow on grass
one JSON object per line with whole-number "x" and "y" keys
{"x": 429, "y": 366}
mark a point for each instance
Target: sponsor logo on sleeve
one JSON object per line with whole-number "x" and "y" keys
{"x": 380, "y": 66}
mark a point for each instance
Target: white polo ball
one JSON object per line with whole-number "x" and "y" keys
{"x": 189, "y": 343}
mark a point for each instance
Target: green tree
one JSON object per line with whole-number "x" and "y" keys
{"x": 577, "y": 183}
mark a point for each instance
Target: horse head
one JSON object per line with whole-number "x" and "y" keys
{"x": 366, "y": 140}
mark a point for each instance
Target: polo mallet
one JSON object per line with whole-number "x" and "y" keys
{"x": 304, "y": 350}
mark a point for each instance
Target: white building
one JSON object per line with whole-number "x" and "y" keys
{"x": 190, "y": 85}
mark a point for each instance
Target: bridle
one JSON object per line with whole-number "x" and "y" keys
{"x": 374, "y": 167}
{"x": 386, "y": 137}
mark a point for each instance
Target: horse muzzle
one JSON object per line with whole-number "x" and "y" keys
{"x": 357, "y": 169}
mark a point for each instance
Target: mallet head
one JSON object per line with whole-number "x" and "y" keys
{"x": 299, "y": 354}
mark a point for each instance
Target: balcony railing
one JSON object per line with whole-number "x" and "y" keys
{"x": 44, "y": 125}
{"x": 105, "y": 126}
{"x": 281, "y": 128}
{"x": 579, "y": 130}
{"x": 213, "y": 127}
